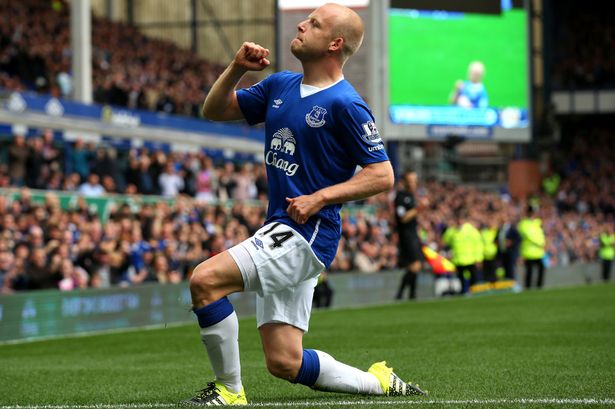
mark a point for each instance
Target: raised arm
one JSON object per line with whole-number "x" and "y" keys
{"x": 374, "y": 178}
{"x": 221, "y": 102}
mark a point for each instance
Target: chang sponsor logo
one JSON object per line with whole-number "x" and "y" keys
{"x": 283, "y": 140}
{"x": 282, "y": 143}
{"x": 272, "y": 159}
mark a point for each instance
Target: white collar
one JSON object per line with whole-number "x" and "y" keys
{"x": 307, "y": 90}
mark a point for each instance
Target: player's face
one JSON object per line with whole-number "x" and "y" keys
{"x": 313, "y": 35}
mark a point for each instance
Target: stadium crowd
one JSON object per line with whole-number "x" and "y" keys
{"x": 134, "y": 70}
{"x": 129, "y": 69}
{"x": 44, "y": 246}
{"x": 94, "y": 170}
{"x": 584, "y": 39}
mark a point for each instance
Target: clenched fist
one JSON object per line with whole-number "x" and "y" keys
{"x": 301, "y": 208}
{"x": 252, "y": 57}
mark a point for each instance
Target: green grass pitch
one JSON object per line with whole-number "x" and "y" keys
{"x": 489, "y": 351}
{"x": 428, "y": 55}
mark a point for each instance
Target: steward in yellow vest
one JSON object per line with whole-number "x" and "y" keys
{"x": 466, "y": 244}
{"x": 607, "y": 251}
{"x": 551, "y": 183}
{"x": 532, "y": 246}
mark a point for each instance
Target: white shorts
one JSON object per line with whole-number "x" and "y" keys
{"x": 279, "y": 265}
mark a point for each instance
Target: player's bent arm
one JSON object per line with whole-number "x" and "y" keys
{"x": 221, "y": 103}
{"x": 374, "y": 178}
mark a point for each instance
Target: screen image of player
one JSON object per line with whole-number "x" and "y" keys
{"x": 459, "y": 68}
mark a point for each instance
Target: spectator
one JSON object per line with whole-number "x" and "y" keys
{"x": 108, "y": 184}
{"x": 92, "y": 187}
{"x": 226, "y": 181}
{"x": 18, "y": 159}
{"x": 160, "y": 271}
{"x": 169, "y": 181}
{"x": 7, "y": 270}
{"x": 101, "y": 272}
{"x": 206, "y": 181}
{"x": 508, "y": 241}
{"x": 71, "y": 182}
{"x": 106, "y": 163}
{"x": 260, "y": 181}
{"x": 244, "y": 187}
{"x": 18, "y": 280}
{"x": 367, "y": 260}
{"x": 51, "y": 153}
{"x": 36, "y": 168}
{"x": 38, "y": 274}
{"x": 79, "y": 159}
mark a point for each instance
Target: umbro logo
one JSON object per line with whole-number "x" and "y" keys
{"x": 257, "y": 243}
{"x": 277, "y": 103}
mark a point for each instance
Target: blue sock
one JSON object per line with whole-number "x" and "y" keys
{"x": 214, "y": 313}
{"x": 310, "y": 368}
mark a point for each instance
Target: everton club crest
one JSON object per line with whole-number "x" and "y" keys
{"x": 316, "y": 117}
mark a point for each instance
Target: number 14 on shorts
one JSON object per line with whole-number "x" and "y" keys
{"x": 277, "y": 238}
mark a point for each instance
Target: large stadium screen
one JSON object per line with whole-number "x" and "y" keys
{"x": 459, "y": 67}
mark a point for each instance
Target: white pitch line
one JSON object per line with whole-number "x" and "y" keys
{"x": 544, "y": 401}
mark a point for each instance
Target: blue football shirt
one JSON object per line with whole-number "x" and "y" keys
{"x": 476, "y": 94}
{"x": 311, "y": 142}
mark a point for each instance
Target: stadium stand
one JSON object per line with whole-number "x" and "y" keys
{"x": 130, "y": 69}
{"x": 43, "y": 246}
{"x": 40, "y": 162}
{"x": 584, "y": 46}
{"x": 127, "y": 249}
